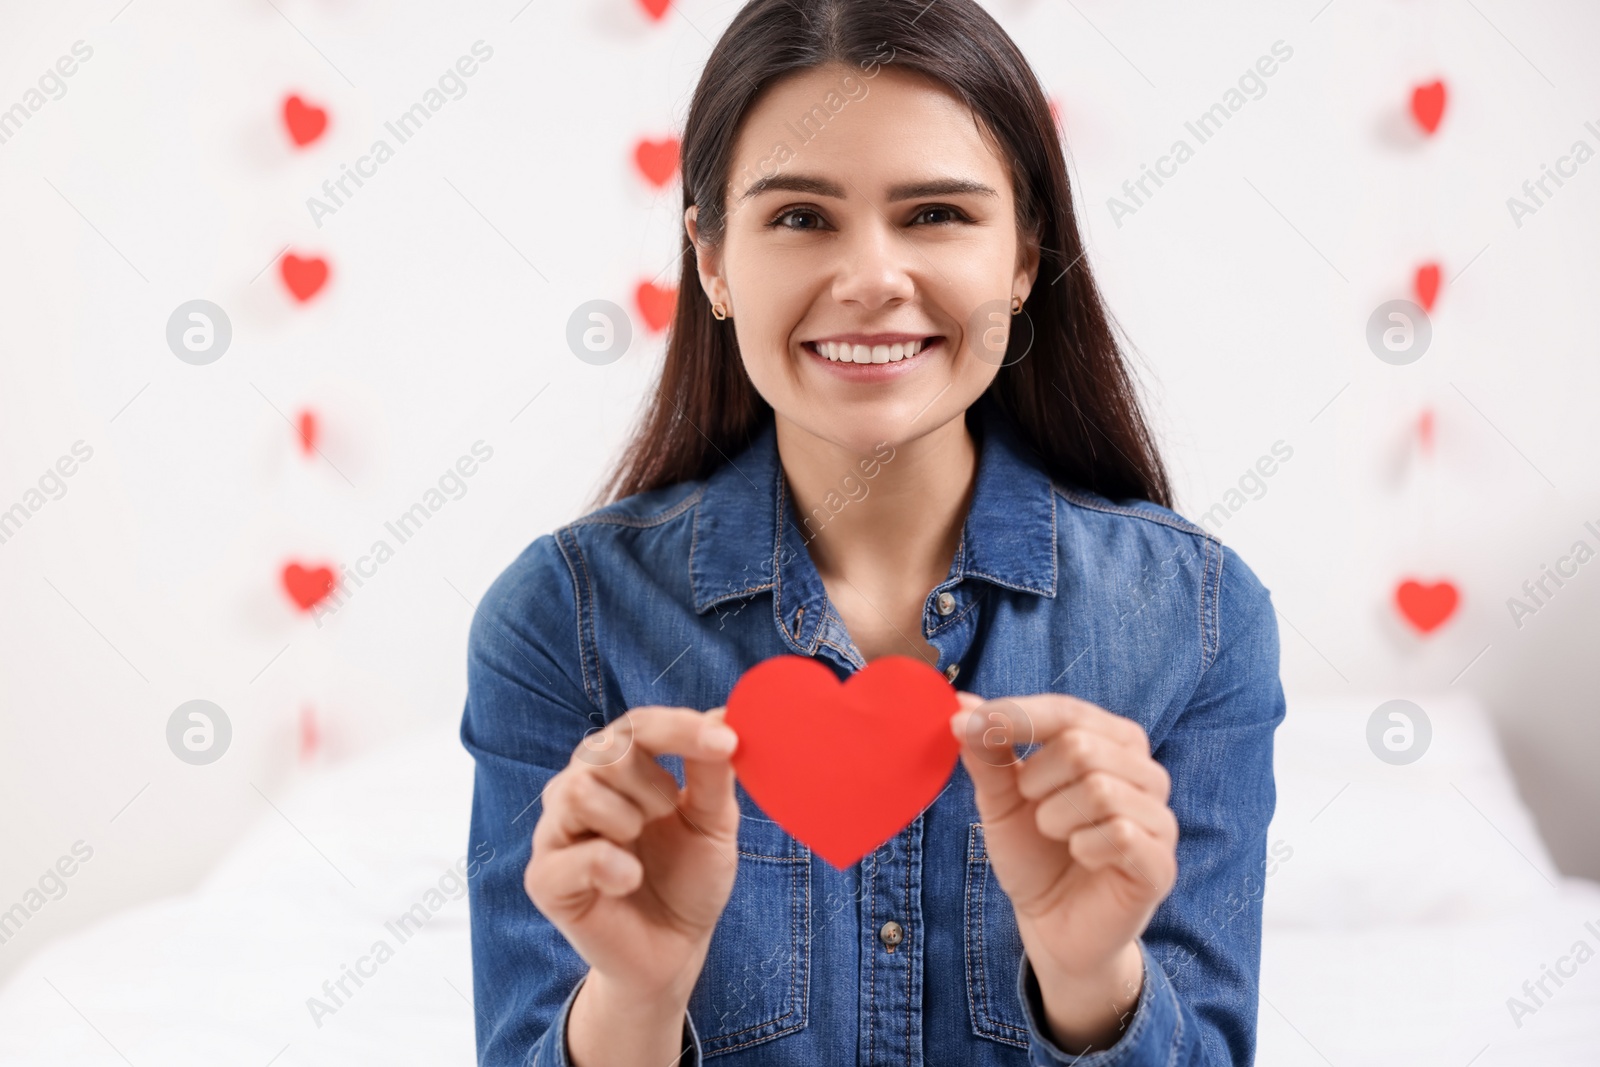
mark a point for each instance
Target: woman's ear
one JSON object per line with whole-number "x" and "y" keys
{"x": 1027, "y": 263}
{"x": 708, "y": 261}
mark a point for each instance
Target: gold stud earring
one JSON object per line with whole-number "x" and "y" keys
{"x": 718, "y": 311}
{"x": 1016, "y": 304}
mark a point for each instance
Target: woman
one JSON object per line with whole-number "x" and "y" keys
{"x": 854, "y": 451}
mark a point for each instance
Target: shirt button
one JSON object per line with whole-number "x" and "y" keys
{"x": 891, "y": 934}
{"x": 951, "y": 671}
{"x": 947, "y": 603}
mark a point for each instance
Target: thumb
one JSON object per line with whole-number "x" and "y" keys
{"x": 986, "y": 732}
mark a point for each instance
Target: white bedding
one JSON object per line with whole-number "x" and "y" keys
{"x": 1410, "y": 908}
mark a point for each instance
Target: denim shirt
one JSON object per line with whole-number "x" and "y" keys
{"x": 666, "y": 597}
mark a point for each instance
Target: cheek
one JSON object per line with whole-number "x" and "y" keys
{"x": 970, "y": 280}
{"x": 767, "y": 311}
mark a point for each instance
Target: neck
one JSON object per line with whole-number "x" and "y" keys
{"x": 889, "y": 515}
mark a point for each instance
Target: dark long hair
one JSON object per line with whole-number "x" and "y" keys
{"x": 1070, "y": 397}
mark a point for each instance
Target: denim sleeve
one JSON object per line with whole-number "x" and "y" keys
{"x": 526, "y": 712}
{"x": 1202, "y": 948}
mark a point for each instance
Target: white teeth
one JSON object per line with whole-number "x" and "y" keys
{"x": 843, "y": 353}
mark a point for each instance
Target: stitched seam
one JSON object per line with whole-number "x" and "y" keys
{"x": 910, "y": 968}
{"x": 777, "y": 554}
{"x": 1177, "y": 1035}
{"x": 1008, "y": 583}
{"x": 746, "y": 591}
{"x": 732, "y": 594}
{"x": 643, "y": 521}
{"x": 694, "y": 543}
{"x": 582, "y": 598}
{"x": 794, "y": 937}
{"x": 1210, "y": 605}
{"x": 872, "y": 967}
{"x": 1177, "y": 522}
{"x": 754, "y": 1041}
{"x": 972, "y": 1004}
{"x": 1055, "y": 550}
{"x": 805, "y": 944}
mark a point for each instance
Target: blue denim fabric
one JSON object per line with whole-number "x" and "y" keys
{"x": 667, "y": 597}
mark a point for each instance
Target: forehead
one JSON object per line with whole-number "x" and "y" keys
{"x": 840, "y": 117}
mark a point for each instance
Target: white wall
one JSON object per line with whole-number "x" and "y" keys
{"x": 162, "y": 175}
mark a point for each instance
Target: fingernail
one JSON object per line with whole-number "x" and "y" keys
{"x": 958, "y": 722}
{"x": 719, "y": 739}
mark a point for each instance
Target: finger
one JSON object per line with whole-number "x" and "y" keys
{"x": 646, "y": 732}
{"x": 1119, "y": 843}
{"x": 564, "y": 881}
{"x": 986, "y": 733}
{"x": 1051, "y": 713}
{"x": 589, "y": 807}
{"x": 644, "y": 782}
{"x": 707, "y": 799}
{"x": 1075, "y": 752}
{"x": 1097, "y": 797}
{"x": 660, "y": 731}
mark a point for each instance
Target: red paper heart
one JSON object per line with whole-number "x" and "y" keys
{"x": 308, "y": 587}
{"x": 1426, "y": 284}
{"x": 655, "y": 8}
{"x": 657, "y": 160}
{"x": 305, "y": 122}
{"x": 656, "y": 304}
{"x": 1427, "y": 105}
{"x": 303, "y": 276}
{"x": 843, "y": 767}
{"x": 1427, "y": 606}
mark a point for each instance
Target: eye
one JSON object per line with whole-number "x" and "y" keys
{"x": 956, "y": 214}
{"x": 778, "y": 223}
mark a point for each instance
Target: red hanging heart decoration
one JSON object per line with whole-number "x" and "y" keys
{"x": 308, "y": 432}
{"x": 657, "y": 160}
{"x": 656, "y": 304}
{"x": 310, "y": 733}
{"x": 1426, "y": 285}
{"x": 304, "y": 277}
{"x": 304, "y": 121}
{"x": 308, "y": 587}
{"x": 843, "y": 767}
{"x": 1427, "y": 105}
{"x": 1427, "y": 607}
{"x": 655, "y": 8}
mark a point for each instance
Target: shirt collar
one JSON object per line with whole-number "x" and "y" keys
{"x": 1008, "y": 539}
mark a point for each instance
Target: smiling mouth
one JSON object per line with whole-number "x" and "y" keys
{"x": 837, "y": 352}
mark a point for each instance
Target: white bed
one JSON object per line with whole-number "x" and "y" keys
{"x": 1414, "y": 902}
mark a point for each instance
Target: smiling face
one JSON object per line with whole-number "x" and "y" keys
{"x": 862, "y": 270}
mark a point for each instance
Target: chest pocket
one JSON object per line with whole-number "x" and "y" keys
{"x": 993, "y": 951}
{"x": 756, "y": 979}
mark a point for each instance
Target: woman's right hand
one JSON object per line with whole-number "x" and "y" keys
{"x": 631, "y": 870}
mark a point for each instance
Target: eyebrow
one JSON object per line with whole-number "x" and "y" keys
{"x": 804, "y": 183}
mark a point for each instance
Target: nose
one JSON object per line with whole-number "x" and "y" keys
{"x": 875, "y": 267}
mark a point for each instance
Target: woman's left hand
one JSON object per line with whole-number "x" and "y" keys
{"x": 1079, "y": 835}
